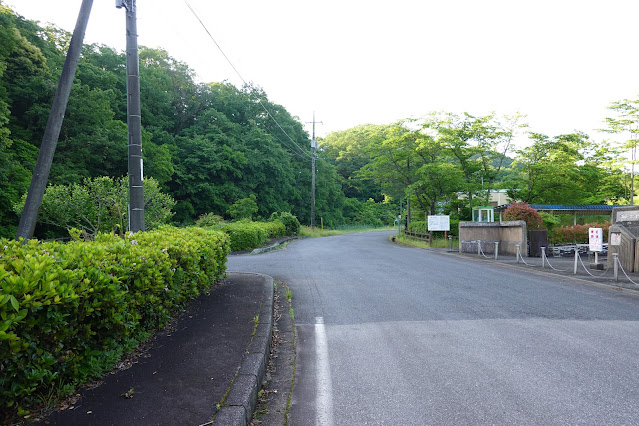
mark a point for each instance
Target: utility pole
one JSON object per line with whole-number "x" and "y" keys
{"x": 313, "y": 148}
{"x": 42, "y": 168}
{"x": 134, "y": 118}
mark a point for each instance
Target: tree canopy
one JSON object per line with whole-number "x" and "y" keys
{"x": 210, "y": 145}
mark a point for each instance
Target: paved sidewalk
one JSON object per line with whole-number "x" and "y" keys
{"x": 562, "y": 266}
{"x": 215, "y": 350}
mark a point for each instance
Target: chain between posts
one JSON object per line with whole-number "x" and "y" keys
{"x": 578, "y": 259}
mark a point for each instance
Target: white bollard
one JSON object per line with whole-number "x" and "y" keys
{"x": 543, "y": 257}
{"x": 518, "y": 252}
{"x": 615, "y": 259}
{"x": 478, "y": 247}
{"x": 576, "y": 259}
{"x": 496, "y": 249}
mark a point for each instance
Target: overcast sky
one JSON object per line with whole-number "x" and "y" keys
{"x": 560, "y": 62}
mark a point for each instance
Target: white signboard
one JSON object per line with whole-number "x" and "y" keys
{"x": 615, "y": 238}
{"x": 595, "y": 239}
{"x": 439, "y": 223}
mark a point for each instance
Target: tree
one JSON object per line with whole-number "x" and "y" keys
{"x": 554, "y": 170}
{"x": 479, "y": 145}
{"x": 346, "y": 150}
{"x": 523, "y": 211}
{"x": 100, "y": 205}
{"x": 244, "y": 208}
{"x": 626, "y": 120}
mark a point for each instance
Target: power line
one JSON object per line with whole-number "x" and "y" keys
{"x": 244, "y": 81}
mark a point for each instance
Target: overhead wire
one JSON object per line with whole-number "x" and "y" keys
{"x": 268, "y": 113}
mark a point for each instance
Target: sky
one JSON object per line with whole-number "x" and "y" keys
{"x": 354, "y": 62}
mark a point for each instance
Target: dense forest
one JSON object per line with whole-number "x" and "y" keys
{"x": 209, "y": 145}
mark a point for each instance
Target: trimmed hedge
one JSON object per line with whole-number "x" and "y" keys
{"x": 246, "y": 235}
{"x": 69, "y": 311}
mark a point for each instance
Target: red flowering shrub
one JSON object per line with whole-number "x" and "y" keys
{"x": 523, "y": 211}
{"x": 577, "y": 233}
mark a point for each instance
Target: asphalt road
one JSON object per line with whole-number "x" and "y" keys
{"x": 396, "y": 335}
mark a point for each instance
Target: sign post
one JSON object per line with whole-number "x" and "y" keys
{"x": 595, "y": 243}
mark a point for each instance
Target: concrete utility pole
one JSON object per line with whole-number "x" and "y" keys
{"x": 134, "y": 118}
{"x": 313, "y": 148}
{"x": 42, "y": 168}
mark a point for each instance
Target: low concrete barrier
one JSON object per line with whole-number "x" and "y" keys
{"x": 508, "y": 234}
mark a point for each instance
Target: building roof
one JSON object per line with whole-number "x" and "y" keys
{"x": 588, "y": 209}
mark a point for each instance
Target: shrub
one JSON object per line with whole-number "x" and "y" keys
{"x": 209, "y": 219}
{"x": 245, "y": 235}
{"x": 523, "y": 211}
{"x": 417, "y": 226}
{"x": 290, "y": 222}
{"x": 70, "y": 310}
{"x": 577, "y": 233}
{"x": 273, "y": 229}
{"x": 100, "y": 205}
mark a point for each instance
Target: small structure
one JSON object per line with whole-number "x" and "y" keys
{"x": 508, "y": 234}
{"x": 623, "y": 235}
{"x": 483, "y": 214}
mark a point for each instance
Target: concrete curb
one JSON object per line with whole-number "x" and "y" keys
{"x": 241, "y": 401}
{"x": 274, "y": 246}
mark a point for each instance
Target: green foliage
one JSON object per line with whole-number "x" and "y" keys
{"x": 244, "y": 208}
{"x": 245, "y": 235}
{"x": 550, "y": 222}
{"x": 417, "y": 226}
{"x": 100, "y": 205}
{"x": 209, "y": 219}
{"x": 69, "y": 310}
{"x": 523, "y": 211}
{"x": 290, "y": 222}
{"x": 577, "y": 233}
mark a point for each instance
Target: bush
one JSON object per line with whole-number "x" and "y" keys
{"x": 70, "y": 310}
{"x": 100, "y": 205}
{"x": 523, "y": 211}
{"x": 577, "y": 233}
{"x": 245, "y": 235}
{"x": 290, "y": 222}
{"x": 417, "y": 226}
{"x": 209, "y": 219}
{"x": 273, "y": 229}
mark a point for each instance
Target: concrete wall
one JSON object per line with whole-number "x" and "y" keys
{"x": 626, "y": 250}
{"x": 508, "y": 234}
{"x": 625, "y": 220}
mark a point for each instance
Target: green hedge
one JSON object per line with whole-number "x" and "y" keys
{"x": 577, "y": 233}
{"x": 246, "y": 235}
{"x": 68, "y": 311}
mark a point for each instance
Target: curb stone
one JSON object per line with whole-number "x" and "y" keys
{"x": 274, "y": 246}
{"x": 240, "y": 404}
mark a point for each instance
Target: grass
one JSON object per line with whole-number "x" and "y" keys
{"x": 437, "y": 242}
{"x": 306, "y": 231}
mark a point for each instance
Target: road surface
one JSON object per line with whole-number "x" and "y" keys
{"x": 391, "y": 335}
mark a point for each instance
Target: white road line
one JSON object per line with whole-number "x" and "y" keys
{"x": 324, "y": 401}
